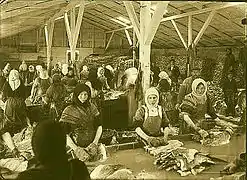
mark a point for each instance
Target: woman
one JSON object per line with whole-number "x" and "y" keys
{"x": 151, "y": 120}
{"x": 55, "y": 96}
{"x": 194, "y": 107}
{"x": 103, "y": 80}
{"x": 40, "y": 85}
{"x": 81, "y": 120}
{"x": 15, "y": 114}
{"x": 166, "y": 97}
{"x": 69, "y": 80}
{"x": 30, "y": 79}
{"x": 49, "y": 147}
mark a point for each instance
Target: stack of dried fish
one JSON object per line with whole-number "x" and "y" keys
{"x": 184, "y": 161}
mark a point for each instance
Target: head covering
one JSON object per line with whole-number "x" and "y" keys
{"x": 99, "y": 74}
{"x": 78, "y": 89}
{"x": 65, "y": 69}
{"x": 164, "y": 75}
{"x": 56, "y": 78}
{"x": 49, "y": 144}
{"x": 84, "y": 68}
{"x": 38, "y": 68}
{"x": 201, "y": 99}
{"x": 7, "y": 69}
{"x": 131, "y": 75}
{"x": 152, "y": 108}
{"x": 14, "y": 79}
{"x": 43, "y": 74}
{"x": 31, "y": 68}
{"x": 23, "y": 66}
{"x": 109, "y": 67}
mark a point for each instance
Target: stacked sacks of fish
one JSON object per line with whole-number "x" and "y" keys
{"x": 184, "y": 161}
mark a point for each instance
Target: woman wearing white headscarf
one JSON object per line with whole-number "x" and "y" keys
{"x": 40, "y": 85}
{"x": 195, "y": 105}
{"x": 15, "y": 109}
{"x": 151, "y": 120}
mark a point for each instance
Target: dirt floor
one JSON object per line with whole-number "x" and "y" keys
{"x": 138, "y": 160}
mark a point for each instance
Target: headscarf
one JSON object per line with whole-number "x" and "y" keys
{"x": 153, "y": 110}
{"x": 109, "y": 67}
{"x": 131, "y": 74}
{"x": 65, "y": 69}
{"x": 43, "y": 74}
{"x": 23, "y": 66}
{"x": 78, "y": 89}
{"x": 164, "y": 75}
{"x": 38, "y": 68}
{"x": 14, "y": 79}
{"x": 31, "y": 68}
{"x": 49, "y": 144}
{"x": 201, "y": 99}
{"x": 56, "y": 78}
{"x": 7, "y": 69}
{"x": 99, "y": 72}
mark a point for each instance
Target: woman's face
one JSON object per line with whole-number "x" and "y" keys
{"x": 200, "y": 89}
{"x": 83, "y": 96}
{"x": 152, "y": 99}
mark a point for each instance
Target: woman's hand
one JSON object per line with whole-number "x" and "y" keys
{"x": 203, "y": 133}
{"x": 153, "y": 141}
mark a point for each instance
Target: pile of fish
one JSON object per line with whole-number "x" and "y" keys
{"x": 184, "y": 161}
{"x": 175, "y": 157}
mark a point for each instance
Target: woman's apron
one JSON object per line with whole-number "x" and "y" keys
{"x": 152, "y": 124}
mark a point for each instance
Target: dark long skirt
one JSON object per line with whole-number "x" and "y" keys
{"x": 14, "y": 117}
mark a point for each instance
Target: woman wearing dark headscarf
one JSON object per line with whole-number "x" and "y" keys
{"x": 49, "y": 147}
{"x": 70, "y": 80}
{"x": 55, "y": 95}
{"x": 81, "y": 119}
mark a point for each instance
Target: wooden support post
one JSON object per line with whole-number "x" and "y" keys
{"x": 189, "y": 51}
{"x": 179, "y": 34}
{"x": 145, "y": 18}
{"x": 48, "y": 37}
{"x": 133, "y": 17}
{"x": 128, "y": 37}
{"x": 134, "y": 46}
{"x": 109, "y": 41}
{"x": 68, "y": 30}
{"x": 204, "y": 27}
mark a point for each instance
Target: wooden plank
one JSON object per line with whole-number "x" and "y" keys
{"x": 155, "y": 21}
{"x": 109, "y": 41}
{"x": 72, "y": 20}
{"x": 133, "y": 18}
{"x": 120, "y": 29}
{"x": 226, "y": 5}
{"x": 46, "y": 36}
{"x": 204, "y": 27}
{"x": 179, "y": 34}
{"x": 29, "y": 9}
{"x": 128, "y": 37}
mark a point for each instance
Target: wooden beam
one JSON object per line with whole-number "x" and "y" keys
{"x": 109, "y": 41}
{"x": 179, "y": 34}
{"x": 78, "y": 22}
{"x": 155, "y": 21}
{"x": 46, "y": 36}
{"x": 189, "y": 31}
{"x": 72, "y": 20}
{"x": 204, "y": 27}
{"x": 133, "y": 17}
{"x": 68, "y": 31}
{"x": 201, "y": 11}
{"x": 120, "y": 29}
{"x": 31, "y": 8}
{"x": 128, "y": 37}
{"x": 49, "y": 29}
